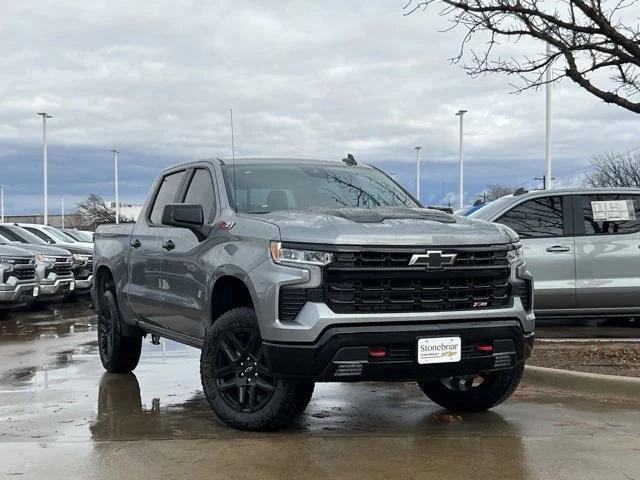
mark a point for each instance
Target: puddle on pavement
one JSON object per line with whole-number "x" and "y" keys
{"x": 47, "y": 321}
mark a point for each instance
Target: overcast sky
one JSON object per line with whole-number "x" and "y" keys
{"x": 314, "y": 79}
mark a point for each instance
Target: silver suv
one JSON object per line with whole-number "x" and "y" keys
{"x": 581, "y": 245}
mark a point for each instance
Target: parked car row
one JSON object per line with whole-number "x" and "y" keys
{"x": 42, "y": 263}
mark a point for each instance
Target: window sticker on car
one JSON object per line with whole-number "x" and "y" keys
{"x": 613, "y": 210}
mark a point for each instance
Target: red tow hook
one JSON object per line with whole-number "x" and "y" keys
{"x": 377, "y": 352}
{"x": 483, "y": 347}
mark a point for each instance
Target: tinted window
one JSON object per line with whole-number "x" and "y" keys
{"x": 608, "y": 227}
{"x": 9, "y": 235}
{"x": 266, "y": 188}
{"x": 40, "y": 234}
{"x": 166, "y": 194}
{"x": 540, "y": 217}
{"x": 201, "y": 192}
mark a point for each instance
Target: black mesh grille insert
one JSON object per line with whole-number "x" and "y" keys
{"x": 382, "y": 280}
{"x": 24, "y": 273}
{"x": 62, "y": 269}
{"x": 523, "y": 290}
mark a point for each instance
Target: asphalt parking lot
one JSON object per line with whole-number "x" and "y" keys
{"x": 61, "y": 416}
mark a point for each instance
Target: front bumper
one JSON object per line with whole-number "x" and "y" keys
{"x": 342, "y": 352}
{"x": 85, "y": 283}
{"x": 20, "y": 293}
{"x": 58, "y": 287}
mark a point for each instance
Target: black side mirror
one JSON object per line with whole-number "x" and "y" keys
{"x": 183, "y": 215}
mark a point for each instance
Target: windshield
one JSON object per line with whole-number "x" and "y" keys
{"x": 79, "y": 236}
{"x": 20, "y": 235}
{"x": 266, "y": 188}
{"x": 59, "y": 236}
{"x": 487, "y": 212}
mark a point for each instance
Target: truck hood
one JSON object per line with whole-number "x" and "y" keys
{"x": 42, "y": 249}
{"x": 385, "y": 226}
{"x": 14, "y": 251}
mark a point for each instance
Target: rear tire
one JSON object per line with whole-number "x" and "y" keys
{"x": 237, "y": 381}
{"x": 473, "y": 393}
{"x": 118, "y": 353}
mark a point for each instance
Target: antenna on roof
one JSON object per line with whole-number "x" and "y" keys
{"x": 233, "y": 159}
{"x": 350, "y": 160}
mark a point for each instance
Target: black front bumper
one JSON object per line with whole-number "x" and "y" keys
{"x": 342, "y": 353}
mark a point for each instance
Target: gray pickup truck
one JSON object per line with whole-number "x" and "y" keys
{"x": 290, "y": 272}
{"x": 18, "y": 283}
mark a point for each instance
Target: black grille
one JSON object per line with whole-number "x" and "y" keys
{"x": 24, "y": 273}
{"x": 378, "y": 281}
{"x": 400, "y": 259}
{"x": 62, "y": 269}
{"x": 523, "y": 290}
{"x": 19, "y": 260}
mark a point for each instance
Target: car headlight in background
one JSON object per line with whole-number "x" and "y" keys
{"x": 45, "y": 258}
{"x": 81, "y": 257}
{"x": 515, "y": 255}
{"x": 285, "y": 255}
{"x": 6, "y": 260}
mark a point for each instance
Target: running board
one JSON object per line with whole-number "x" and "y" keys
{"x": 171, "y": 335}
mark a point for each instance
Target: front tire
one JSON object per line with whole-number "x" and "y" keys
{"x": 473, "y": 393}
{"x": 118, "y": 353}
{"x": 237, "y": 381}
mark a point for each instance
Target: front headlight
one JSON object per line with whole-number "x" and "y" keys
{"x": 45, "y": 258}
{"x": 81, "y": 257}
{"x": 515, "y": 255}
{"x": 285, "y": 255}
{"x": 5, "y": 260}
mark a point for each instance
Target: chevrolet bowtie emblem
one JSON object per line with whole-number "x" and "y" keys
{"x": 433, "y": 259}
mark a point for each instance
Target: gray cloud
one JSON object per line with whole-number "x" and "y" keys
{"x": 314, "y": 79}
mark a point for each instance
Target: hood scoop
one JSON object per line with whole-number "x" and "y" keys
{"x": 379, "y": 215}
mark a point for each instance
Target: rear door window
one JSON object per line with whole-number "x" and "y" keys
{"x": 536, "y": 218}
{"x": 610, "y": 214}
{"x": 167, "y": 193}
{"x": 201, "y": 192}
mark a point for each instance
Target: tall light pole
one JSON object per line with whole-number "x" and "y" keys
{"x": 62, "y": 210}
{"x": 1, "y": 203}
{"x": 417, "y": 149}
{"x": 547, "y": 175}
{"x": 461, "y": 113}
{"x": 44, "y": 116}
{"x": 115, "y": 165}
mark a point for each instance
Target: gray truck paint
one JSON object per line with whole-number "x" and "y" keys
{"x": 142, "y": 275}
{"x": 14, "y": 291}
{"x": 579, "y": 274}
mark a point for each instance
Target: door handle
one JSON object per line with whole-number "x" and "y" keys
{"x": 168, "y": 245}
{"x": 558, "y": 249}
{"x": 136, "y": 243}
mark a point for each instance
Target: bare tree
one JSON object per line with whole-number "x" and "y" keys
{"x": 94, "y": 211}
{"x": 611, "y": 170}
{"x": 497, "y": 190}
{"x": 589, "y": 42}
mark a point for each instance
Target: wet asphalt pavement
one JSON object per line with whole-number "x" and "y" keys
{"x": 61, "y": 416}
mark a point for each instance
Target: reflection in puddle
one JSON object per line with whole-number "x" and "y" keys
{"x": 51, "y": 372}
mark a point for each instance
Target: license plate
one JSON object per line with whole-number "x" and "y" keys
{"x": 36, "y": 290}
{"x": 439, "y": 350}
{"x": 72, "y": 286}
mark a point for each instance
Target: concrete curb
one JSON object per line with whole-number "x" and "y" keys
{"x": 582, "y": 382}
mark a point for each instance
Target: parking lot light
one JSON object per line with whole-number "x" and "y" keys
{"x": 461, "y": 113}
{"x": 44, "y": 116}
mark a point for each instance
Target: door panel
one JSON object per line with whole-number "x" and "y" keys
{"x": 608, "y": 256}
{"x": 186, "y": 280}
{"x": 184, "y": 270}
{"x": 146, "y": 289}
{"x": 552, "y": 263}
{"x": 545, "y": 226}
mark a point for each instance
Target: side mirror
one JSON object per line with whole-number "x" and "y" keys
{"x": 183, "y": 215}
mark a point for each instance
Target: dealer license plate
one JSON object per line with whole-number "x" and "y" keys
{"x": 439, "y": 350}
{"x": 35, "y": 292}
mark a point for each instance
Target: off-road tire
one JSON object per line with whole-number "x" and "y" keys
{"x": 118, "y": 353}
{"x": 496, "y": 388}
{"x": 274, "y": 403}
